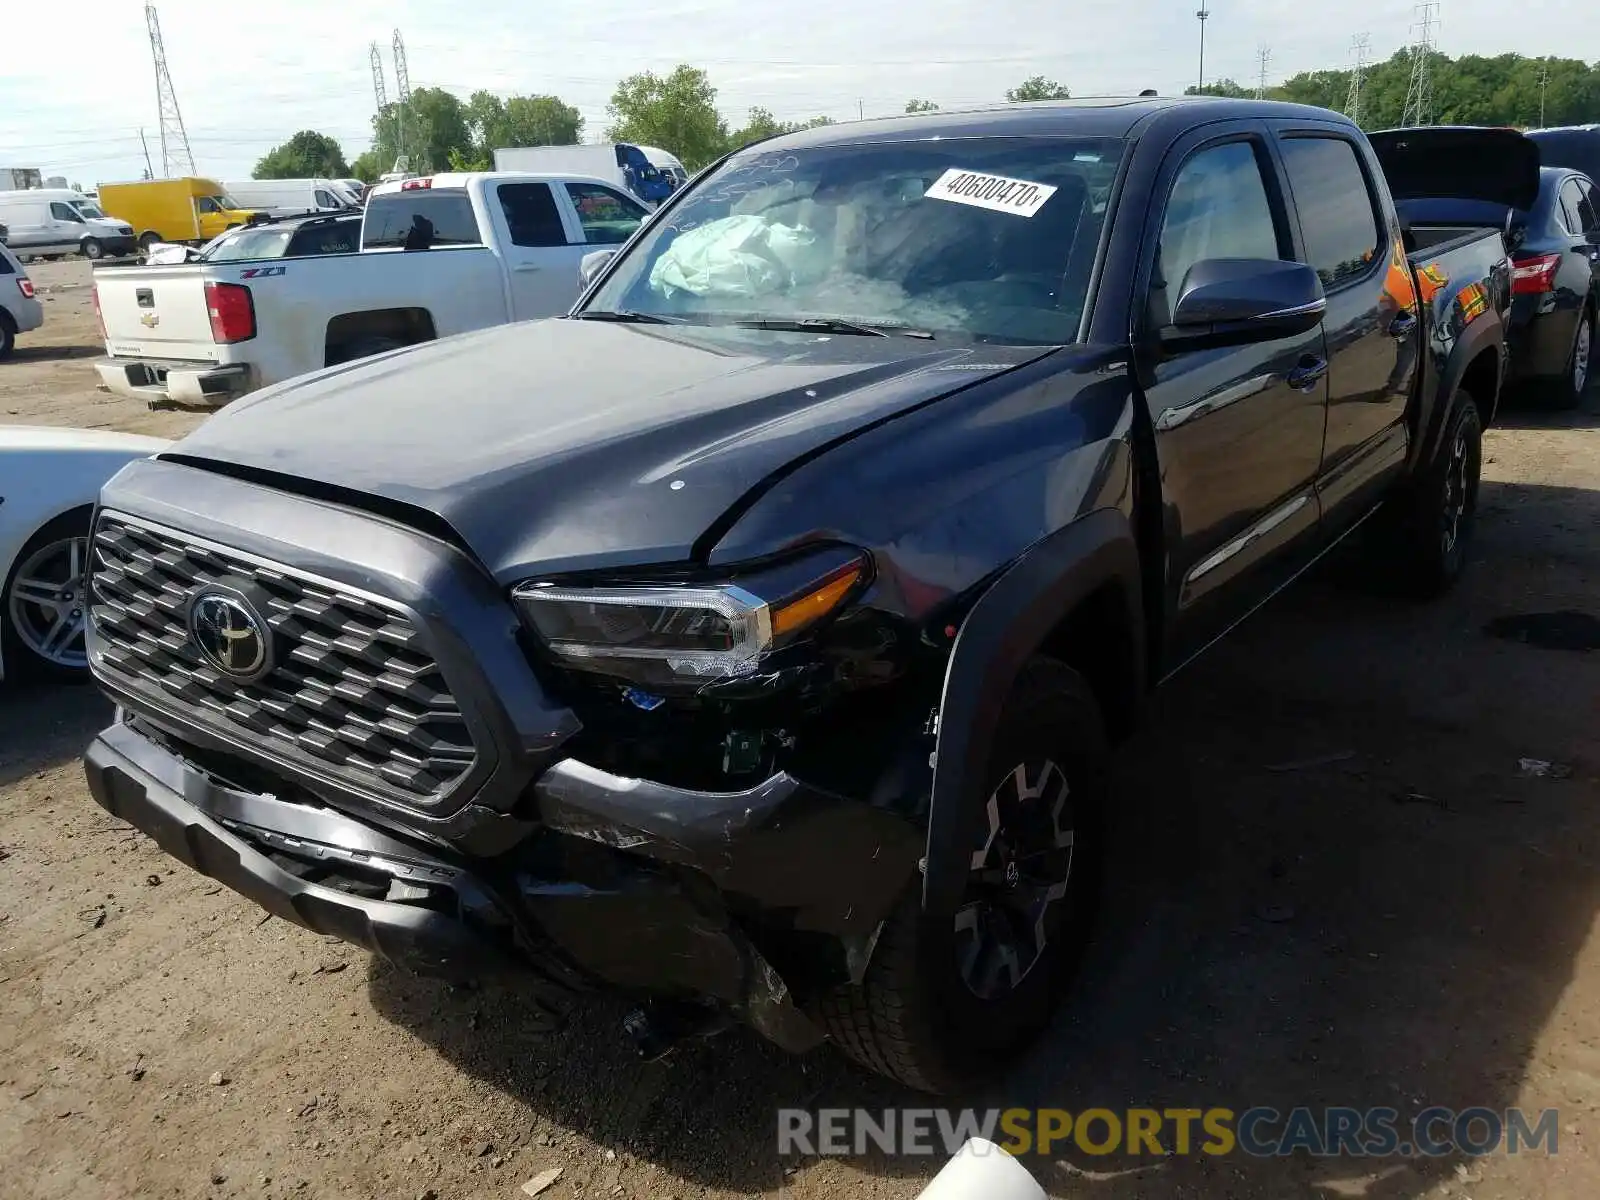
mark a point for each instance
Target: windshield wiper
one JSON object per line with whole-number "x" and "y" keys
{"x": 831, "y": 325}
{"x": 628, "y": 315}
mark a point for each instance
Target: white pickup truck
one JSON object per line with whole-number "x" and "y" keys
{"x": 438, "y": 255}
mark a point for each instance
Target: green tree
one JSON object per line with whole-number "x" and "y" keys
{"x": 916, "y": 106}
{"x": 307, "y": 155}
{"x": 762, "y": 124}
{"x": 520, "y": 121}
{"x": 1037, "y": 88}
{"x": 435, "y": 124}
{"x": 367, "y": 167}
{"x": 677, "y": 113}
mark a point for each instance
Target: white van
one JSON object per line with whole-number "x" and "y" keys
{"x": 286, "y": 197}
{"x": 61, "y": 221}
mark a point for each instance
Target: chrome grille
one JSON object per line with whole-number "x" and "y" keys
{"x": 354, "y": 697}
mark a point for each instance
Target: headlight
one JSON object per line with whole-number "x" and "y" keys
{"x": 660, "y": 634}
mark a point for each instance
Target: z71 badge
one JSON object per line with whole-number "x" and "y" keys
{"x": 262, "y": 272}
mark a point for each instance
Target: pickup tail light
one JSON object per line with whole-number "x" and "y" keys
{"x": 99, "y": 320}
{"x": 1534, "y": 275}
{"x": 25, "y": 286}
{"x": 232, "y": 311}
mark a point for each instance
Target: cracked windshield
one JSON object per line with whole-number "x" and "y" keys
{"x": 987, "y": 238}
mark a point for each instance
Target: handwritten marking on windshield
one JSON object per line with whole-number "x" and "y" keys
{"x": 1019, "y": 197}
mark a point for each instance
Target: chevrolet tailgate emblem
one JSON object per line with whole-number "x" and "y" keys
{"x": 149, "y": 320}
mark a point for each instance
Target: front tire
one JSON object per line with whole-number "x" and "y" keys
{"x": 92, "y": 249}
{"x": 43, "y": 609}
{"x": 952, "y": 998}
{"x": 147, "y": 239}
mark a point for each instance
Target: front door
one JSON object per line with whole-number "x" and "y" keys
{"x": 1371, "y": 323}
{"x": 1238, "y": 430}
{"x": 540, "y": 248}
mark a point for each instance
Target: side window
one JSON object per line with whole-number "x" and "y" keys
{"x": 1571, "y": 207}
{"x": 607, "y": 217}
{"x": 62, "y": 212}
{"x": 531, "y": 214}
{"x": 5, "y": 265}
{"x": 1588, "y": 207}
{"x": 1338, "y": 218}
{"x": 206, "y": 204}
{"x": 1218, "y": 209}
{"x": 324, "y": 199}
{"x": 420, "y": 219}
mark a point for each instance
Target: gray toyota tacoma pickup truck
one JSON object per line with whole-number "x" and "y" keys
{"x": 754, "y": 639}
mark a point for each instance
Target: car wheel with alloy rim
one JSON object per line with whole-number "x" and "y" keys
{"x": 948, "y": 998}
{"x": 44, "y": 610}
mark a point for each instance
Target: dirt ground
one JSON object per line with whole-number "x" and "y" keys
{"x": 1332, "y": 885}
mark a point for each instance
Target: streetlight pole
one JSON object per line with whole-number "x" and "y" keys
{"x": 1202, "y": 14}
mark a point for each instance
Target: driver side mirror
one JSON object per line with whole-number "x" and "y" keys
{"x": 1236, "y": 301}
{"x": 591, "y": 265}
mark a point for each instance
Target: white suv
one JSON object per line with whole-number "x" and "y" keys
{"x": 20, "y": 310}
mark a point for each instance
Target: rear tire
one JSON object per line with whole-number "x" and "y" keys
{"x": 147, "y": 239}
{"x": 1424, "y": 535}
{"x": 92, "y": 250}
{"x": 1570, "y": 389}
{"x": 946, "y": 1001}
{"x": 8, "y": 335}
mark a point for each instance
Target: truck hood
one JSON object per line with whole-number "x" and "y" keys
{"x": 567, "y": 445}
{"x": 1459, "y": 162}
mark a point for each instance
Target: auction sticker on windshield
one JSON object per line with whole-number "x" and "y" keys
{"x": 1016, "y": 196}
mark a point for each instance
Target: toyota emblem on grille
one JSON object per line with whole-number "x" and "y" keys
{"x": 231, "y": 635}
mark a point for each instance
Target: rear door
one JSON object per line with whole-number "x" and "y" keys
{"x": 541, "y": 245}
{"x": 1371, "y": 325}
{"x": 1238, "y": 430}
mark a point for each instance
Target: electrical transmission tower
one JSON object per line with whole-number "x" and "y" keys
{"x": 1263, "y": 57}
{"x": 402, "y": 83}
{"x": 1358, "y": 77}
{"x": 176, "y": 157}
{"x": 1419, "y": 96}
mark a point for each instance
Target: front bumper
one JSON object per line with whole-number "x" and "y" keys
{"x": 628, "y": 884}
{"x": 165, "y": 383}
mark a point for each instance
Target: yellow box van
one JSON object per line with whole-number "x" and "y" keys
{"x": 173, "y": 210}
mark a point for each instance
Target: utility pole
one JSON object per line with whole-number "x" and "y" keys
{"x": 1263, "y": 57}
{"x": 1544, "y": 82}
{"x": 1419, "y": 96}
{"x": 861, "y": 110}
{"x": 149, "y": 171}
{"x": 1358, "y": 76}
{"x": 176, "y": 157}
{"x": 1203, "y": 14}
{"x": 402, "y": 81}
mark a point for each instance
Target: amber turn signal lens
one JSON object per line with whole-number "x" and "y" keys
{"x": 797, "y": 614}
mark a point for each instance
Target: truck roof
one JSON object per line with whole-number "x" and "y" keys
{"x": 1089, "y": 116}
{"x": 460, "y": 179}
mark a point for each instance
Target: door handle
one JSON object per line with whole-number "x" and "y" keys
{"x": 1308, "y": 373}
{"x": 524, "y": 268}
{"x": 1403, "y": 326}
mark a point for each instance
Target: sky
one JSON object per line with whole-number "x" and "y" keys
{"x": 77, "y": 87}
